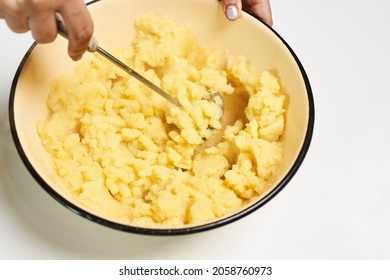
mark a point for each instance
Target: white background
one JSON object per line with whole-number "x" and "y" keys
{"x": 337, "y": 206}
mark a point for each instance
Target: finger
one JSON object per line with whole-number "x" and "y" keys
{"x": 14, "y": 15}
{"x": 43, "y": 29}
{"x": 80, "y": 27}
{"x": 17, "y": 25}
{"x": 231, "y": 8}
{"x": 42, "y": 21}
{"x": 259, "y": 8}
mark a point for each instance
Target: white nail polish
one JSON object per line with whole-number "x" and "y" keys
{"x": 232, "y": 12}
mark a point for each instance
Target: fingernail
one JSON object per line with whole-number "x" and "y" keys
{"x": 76, "y": 58}
{"x": 232, "y": 12}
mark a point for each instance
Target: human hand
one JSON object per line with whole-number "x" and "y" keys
{"x": 39, "y": 17}
{"x": 258, "y": 8}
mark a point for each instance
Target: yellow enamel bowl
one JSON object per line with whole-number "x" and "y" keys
{"x": 248, "y": 36}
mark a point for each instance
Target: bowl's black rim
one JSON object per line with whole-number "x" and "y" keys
{"x": 163, "y": 231}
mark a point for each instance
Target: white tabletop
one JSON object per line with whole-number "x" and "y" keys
{"x": 337, "y": 206}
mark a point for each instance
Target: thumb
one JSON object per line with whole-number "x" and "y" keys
{"x": 231, "y": 8}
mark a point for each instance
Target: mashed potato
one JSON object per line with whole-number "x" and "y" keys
{"x": 128, "y": 154}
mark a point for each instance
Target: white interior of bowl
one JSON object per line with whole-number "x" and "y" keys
{"x": 114, "y": 29}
